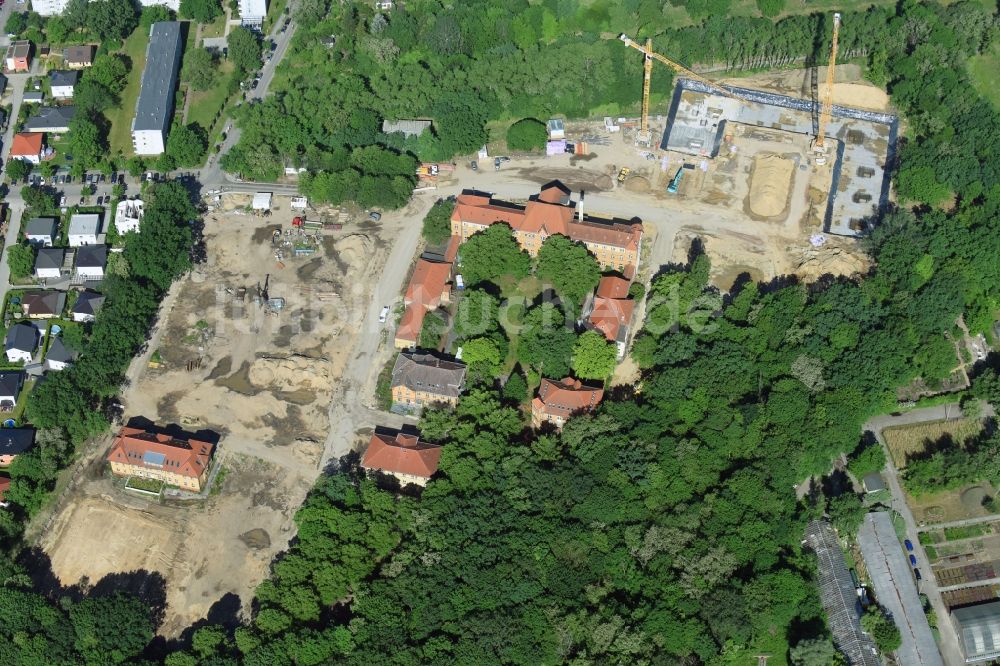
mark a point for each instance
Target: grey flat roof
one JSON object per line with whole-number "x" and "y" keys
{"x": 159, "y": 79}
{"x": 896, "y": 590}
{"x": 84, "y": 223}
{"x": 979, "y": 629}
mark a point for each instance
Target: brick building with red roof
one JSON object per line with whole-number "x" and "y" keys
{"x": 429, "y": 288}
{"x": 611, "y": 312}
{"x": 178, "y": 462}
{"x": 28, "y": 146}
{"x": 403, "y": 456}
{"x": 559, "y": 400}
{"x": 615, "y": 243}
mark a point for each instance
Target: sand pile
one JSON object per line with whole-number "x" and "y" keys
{"x": 832, "y": 258}
{"x": 354, "y": 249}
{"x": 637, "y": 184}
{"x": 858, "y": 95}
{"x": 290, "y": 374}
{"x": 770, "y": 182}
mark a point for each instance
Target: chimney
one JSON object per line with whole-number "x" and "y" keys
{"x": 580, "y": 207}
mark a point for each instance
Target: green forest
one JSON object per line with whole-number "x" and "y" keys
{"x": 660, "y": 529}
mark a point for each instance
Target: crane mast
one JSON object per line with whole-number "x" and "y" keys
{"x": 647, "y": 75}
{"x": 826, "y": 99}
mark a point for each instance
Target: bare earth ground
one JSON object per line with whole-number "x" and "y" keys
{"x": 263, "y": 381}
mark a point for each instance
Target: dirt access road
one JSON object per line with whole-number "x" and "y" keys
{"x": 286, "y": 391}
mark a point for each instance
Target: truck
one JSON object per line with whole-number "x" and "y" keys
{"x": 307, "y": 225}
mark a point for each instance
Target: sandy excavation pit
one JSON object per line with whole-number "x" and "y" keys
{"x": 770, "y": 184}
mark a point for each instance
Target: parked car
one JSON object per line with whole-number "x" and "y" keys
{"x": 913, "y": 560}
{"x": 375, "y": 216}
{"x": 908, "y": 544}
{"x": 81, "y": 201}
{"x": 496, "y": 164}
{"x": 101, "y": 178}
{"x": 473, "y": 165}
{"x": 916, "y": 573}
{"x": 100, "y": 201}
{"x": 384, "y": 315}
{"x": 253, "y": 86}
{"x": 62, "y": 201}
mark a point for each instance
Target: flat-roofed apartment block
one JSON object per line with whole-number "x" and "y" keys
{"x": 155, "y": 105}
{"x": 614, "y": 242}
{"x": 178, "y": 462}
{"x": 420, "y": 379}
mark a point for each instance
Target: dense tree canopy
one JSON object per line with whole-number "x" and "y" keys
{"x": 492, "y": 254}
{"x": 527, "y": 134}
{"x": 569, "y": 267}
{"x": 437, "y": 222}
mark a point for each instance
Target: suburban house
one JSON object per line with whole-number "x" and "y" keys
{"x": 54, "y": 119}
{"x": 49, "y": 262}
{"x": 33, "y": 97}
{"x": 28, "y": 146}
{"x": 611, "y": 311}
{"x": 408, "y": 128}
{"x": 252, "y": 13}
{"x": 14, "y": 442}
{"x": 63, "y": 82}
{"x": 11, "y": 383}
{"x": 402, "y": 455}
{"x": 78, "y": 57}
{"x": 155, "y": 105}
{"x": 420, "y": 379}
{"x": 178, "y": 462}
{"x": 88, "y": 303}
{"x": 58, "y": 357}
{"x": 84, "y": 229}
{"x": 90, "y": 262}
{"x": 21, "y": 342}
{"x": 558, "y": 400}
{"x": 427, "y": 290}
{"x": 43, "y": 304}
{"x": 128, "y": 215}
{"x": 18, "y": 56}
{"x": 41, "y": 231}
{"x": 615, "y": 243}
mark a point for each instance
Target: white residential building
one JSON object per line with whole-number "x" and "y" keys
{"x": 57, "y": 7}
{"x": 128, "y": 215}
{"x": 84, "y": 229}
{"x": 62, "y": 83}
{"x": 252, "y": 13}
{"x": 155, "y": 105}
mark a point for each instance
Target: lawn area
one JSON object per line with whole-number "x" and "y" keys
{"x": 983, "y": 72}
{"x": 959, "y": 504}
{"x": 120, "y": 136}
{"x": 205, "y": 104}
{"x": 904, "y": 441}
{"x": 967, "y": 532}
{"x": 214, "y": 29}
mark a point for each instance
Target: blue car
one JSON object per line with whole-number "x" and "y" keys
{"x": 909, "y": 545}
{"x": 913, "y": 560}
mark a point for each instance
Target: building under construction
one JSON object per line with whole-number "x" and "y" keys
{"x": 708, "y": 125}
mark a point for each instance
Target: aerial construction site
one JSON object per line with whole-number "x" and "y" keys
{"x": 727, "y": 144}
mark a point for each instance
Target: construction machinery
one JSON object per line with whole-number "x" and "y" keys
{"x": 644, "y": 135}
{"x": 826, "y": 96}
{"x": 675, "y": 182}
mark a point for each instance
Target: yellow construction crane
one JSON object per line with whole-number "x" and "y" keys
{"x": 650, "y": 55}
{"x": 826, "y": 98}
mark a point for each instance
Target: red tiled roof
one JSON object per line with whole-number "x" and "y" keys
{"x": 612, "y": 287}
{"x": 4, "y": 487}
{"x": 411, "y": 323}
{"x": 567, "y": 397}
{"x": 428, "y": 284}
{"x": 185, "y": 457}
{"x": 554, "y": 193}
{"x": 546, "y": 213}
{"x": 610, "y": 315}
{"x": 400, "y": 453}
{"x": 26, "y": 144}
{"x": 451, "y": 252}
